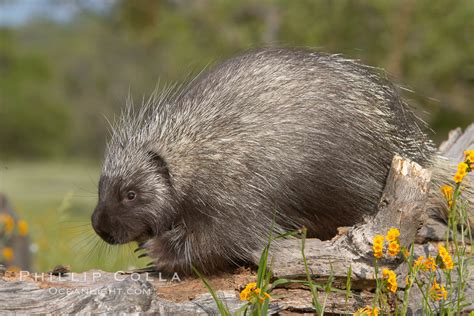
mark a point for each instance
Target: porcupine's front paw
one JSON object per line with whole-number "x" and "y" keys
{"x": 141, "y": 253}
{"x": 166, "y": 254}
{"x": 176, "y": 252}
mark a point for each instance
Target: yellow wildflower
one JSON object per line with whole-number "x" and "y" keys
{"x": 458, "y": 178}
{"x": 448, "y": 193}
{"x": 378, "y": 239}
{"x": 448, "y": 264}
{"x": 406, "y": 253}
{"x": 244, "y": 295}
{"x": 391, "y": 280}
{"x": 246, "y": 292}
{"x": 470, "y": 159}
{"x": 8, "y": 222}
{"x": 13, "y": 269}
{"x": 469, "y": 155}
{"x": 392, "y": 285}
{"x": 22, "y": 227}
{"x": 367, "y": 311}
{"x": 378, "y": 255}
{"x": 442, "y": 251}
{"x": 386, "y": 273}
{"x": 462, "y": 167}
{"x": 251, "y": 288}
{"x": 378, "y": 246}
{"x": 7, "y": 254}
{"x": 425, "y": 264}
{"x": 265, "y": 295}
{"x": 393, "y": 248}
{"x": 393, "y": 234}
{"x": 438, "y": 292}
{"x": 445, "y": 257}
{"x": 419, "y": 261}
{"x": 430, "y": 264}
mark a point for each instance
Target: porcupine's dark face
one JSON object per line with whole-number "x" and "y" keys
{"x": 133, "y": 201}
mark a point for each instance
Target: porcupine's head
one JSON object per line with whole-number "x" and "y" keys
{"x": 135, "y": 187}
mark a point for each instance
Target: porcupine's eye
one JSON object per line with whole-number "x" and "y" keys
{"x": 131, "y": 195}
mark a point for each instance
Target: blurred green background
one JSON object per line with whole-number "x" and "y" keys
{"x": 67, "y": 65}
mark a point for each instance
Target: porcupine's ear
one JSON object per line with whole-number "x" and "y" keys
{"x": 160, "y": 164}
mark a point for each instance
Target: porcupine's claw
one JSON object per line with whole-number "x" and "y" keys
{"x": 140, "y": 247}
{"x": 150, "y": 267}
{"x": 145, "y": 270}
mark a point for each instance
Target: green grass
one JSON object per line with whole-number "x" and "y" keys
{"x": 57, "y": 199}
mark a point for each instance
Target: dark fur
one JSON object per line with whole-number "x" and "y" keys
{"x": 307, "y": 135}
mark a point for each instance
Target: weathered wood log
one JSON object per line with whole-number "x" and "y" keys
{"x": 457, "y": 143}
{"x": 100, "y": 292}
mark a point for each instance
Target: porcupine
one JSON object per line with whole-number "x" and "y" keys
{"x": 293, "y": 136}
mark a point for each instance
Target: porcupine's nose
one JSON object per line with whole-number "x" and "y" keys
{"x": 99, "y": 220}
